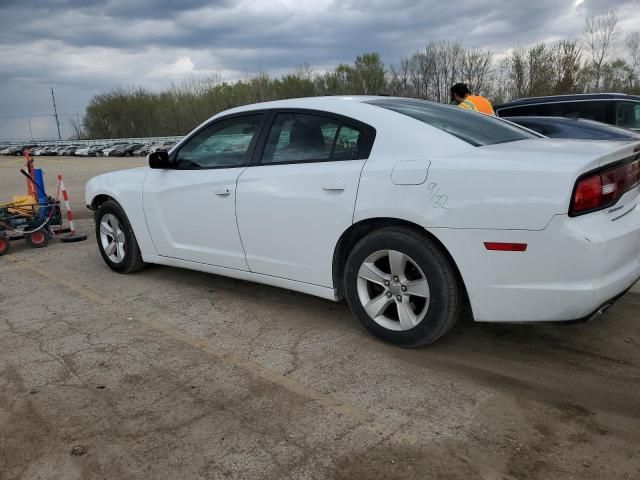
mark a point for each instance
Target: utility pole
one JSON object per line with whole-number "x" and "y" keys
{"x": 30, "y": 131}
{"x": 55, "y": 114}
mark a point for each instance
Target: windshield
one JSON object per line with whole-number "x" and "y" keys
{"x": 474, "y": 128}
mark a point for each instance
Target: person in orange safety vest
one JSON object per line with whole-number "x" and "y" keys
{"x": 461, "y": 94}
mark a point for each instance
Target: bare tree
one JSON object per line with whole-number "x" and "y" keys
{"x": 600, "y": 31}
{"x": 76, "y": 127}
{"x": 632, "y": 43}
{"x": 500, "y": 81}
{"x": 399, "y": 78}
{"x": 517, "y": 73}
{"x": 477, "y": 67}
{"x": 567, "y": 66}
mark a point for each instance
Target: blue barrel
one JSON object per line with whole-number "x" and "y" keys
{"x": 38, "y": 176}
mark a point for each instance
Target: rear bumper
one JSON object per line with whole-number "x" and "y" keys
{"x": 600, "y": 310}
{"x": 570, "y": 270}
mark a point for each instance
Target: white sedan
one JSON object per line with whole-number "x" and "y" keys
{"x": 406, "y": 208}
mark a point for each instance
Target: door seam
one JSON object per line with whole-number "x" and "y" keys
{"x": 235, "y": 213}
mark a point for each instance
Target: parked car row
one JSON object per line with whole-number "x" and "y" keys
{"x": 113, "y": 149}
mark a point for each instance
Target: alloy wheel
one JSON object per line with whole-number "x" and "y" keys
{"x": 112, "y": 238}
{"x": 393, "y": 290}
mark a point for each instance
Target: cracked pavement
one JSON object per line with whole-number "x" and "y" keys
{"x": 169, "y": 374}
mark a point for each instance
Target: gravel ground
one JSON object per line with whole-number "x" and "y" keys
{"x": 173, "y": 374}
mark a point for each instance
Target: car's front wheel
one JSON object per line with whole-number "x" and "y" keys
{"x": 402, "y": 287}
{"x": 116, "y": 240}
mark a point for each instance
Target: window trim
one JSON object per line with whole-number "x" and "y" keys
{"x": 364, "y": 153}
{"x": 250, "y": 151}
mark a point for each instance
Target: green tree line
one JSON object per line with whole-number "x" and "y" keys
{"x": 595, "y": 63}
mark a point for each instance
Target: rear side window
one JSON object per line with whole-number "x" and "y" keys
{"x": 595, "y": 110}
{"x": 592, "y": 110}
{"x": 302, "y": 137}
{"x": 474, "y": 128}
{"x": 628, "y": 114}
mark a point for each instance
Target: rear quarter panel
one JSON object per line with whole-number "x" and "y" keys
{"x": 510, "y": 187}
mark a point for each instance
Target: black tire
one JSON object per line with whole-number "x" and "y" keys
{"x": 132, "y": 261}
{"x": 39, "y": 238}
{"x": 5, "y": 245}
{"x": 445, "y": 293}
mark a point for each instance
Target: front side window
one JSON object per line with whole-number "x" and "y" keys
{"x": 474, "y": 128}
{"x": 224, "y": 143}
{"x": 302, "y": 137}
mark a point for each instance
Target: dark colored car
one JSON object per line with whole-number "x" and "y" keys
{"x": 144, "y": 149}
{"x": 125, "y": 150}
{"x": 165, "y": 146}
{"x": 93, "y": 151}
{"x": 50, "y": 150}
{"x": 17, "y": 150}
{"x": 563, "y": 127}
{"x": 613, "y": 108}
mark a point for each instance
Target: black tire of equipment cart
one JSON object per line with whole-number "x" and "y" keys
{"x": 5, "y": 245}
{"x": 39, "y": 238}
{"x": 446, "y": 296}
{"x": 132, "y": 257}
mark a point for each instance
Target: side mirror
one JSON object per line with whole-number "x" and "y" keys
{"x": 159, "y": 160}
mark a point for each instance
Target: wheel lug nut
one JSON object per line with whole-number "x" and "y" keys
{"x": 403, "y": 288}
{"x": 386, "y": 283}
{"x": 399, "y": 297}
{"x": 389, "y": 294}
{"x": 395, "y": 279}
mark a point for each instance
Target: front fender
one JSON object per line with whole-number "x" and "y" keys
{"x": 126, "y": 188}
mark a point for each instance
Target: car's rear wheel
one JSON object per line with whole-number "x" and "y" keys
{"x": 402, "y": 287}
{"x": 116, "y": 240}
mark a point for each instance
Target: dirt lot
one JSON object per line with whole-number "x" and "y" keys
{"x": 172, "y": 374}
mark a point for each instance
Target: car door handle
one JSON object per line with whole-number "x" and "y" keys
{"x": 223, "y": 191}
{"x": 334, "y": 186}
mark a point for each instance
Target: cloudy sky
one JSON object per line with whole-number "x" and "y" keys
{"x": 85, "y": 47}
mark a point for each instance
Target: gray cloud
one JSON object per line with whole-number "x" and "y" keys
{"x": 84, "y": 47}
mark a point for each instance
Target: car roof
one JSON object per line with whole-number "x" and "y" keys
{"x": 569, "y": 98}
{"x": 320, "y": 103}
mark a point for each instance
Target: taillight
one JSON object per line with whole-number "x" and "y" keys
{"x": 588, "y": 194}
{"x": 604, "y": 188}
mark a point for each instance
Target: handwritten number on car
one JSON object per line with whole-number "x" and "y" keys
{"x": 437, "y": 199}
